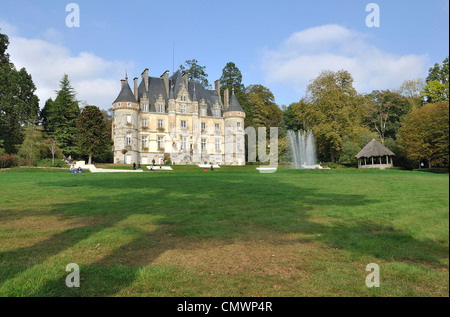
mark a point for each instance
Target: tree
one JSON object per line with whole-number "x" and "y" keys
{"x": 19, "y": 106}
{"x": 264, "y": 110}
{"x": 332, "y": 109}
{"x": 53, "y": 147}
{"x": 411, "y": 89}
{"x": 196, "y": 72}
{"x": 231, "y": 78}
{"x": 437, "y": 88}
{"x": 438, "y": 72}
{"x": 34, "y": 146}
{"x": 436, "y": 91}
{"x": 424, "y": 134}
{"x": 290, "y": 119}
{"x": 385, "y": 110}
{"x": 92, "y": 138}
{"x": 58, "y": 117}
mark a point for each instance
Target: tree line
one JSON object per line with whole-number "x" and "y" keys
{"x": 62, "y": 129}
{"x": 412, "y": 120}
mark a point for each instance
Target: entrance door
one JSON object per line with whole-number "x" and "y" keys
{"x": 127, "y": 159}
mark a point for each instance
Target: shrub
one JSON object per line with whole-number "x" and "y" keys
{"x": 8, "y": 160}
{"x": 48, "y": 163}
{"x": 26, "y": 162}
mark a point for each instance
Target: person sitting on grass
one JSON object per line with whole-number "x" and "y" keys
{"x": 72, "y": 168}
{"x": 79, "y": 170}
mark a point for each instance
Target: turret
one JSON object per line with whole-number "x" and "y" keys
{"x": 125, "y": 127}
{"x": 234, "y": 117}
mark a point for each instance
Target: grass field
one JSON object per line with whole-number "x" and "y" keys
{"x": 230, "y": 232}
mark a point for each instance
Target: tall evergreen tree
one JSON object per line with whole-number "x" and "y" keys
{"x": 437, "y": 88}
{"x": 231, "y": 79}
{"x": 92, "y": 136}
{"x": 196, "y": 72}
{"x": 19, "y": 105}
{"x": 59, "y": 117}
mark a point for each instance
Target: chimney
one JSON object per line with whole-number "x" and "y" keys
{"x": 165, "y": 78}
{"x": 185, "y": 80}
{"x": 217, "y": 86}
{"x": 135, "y": 87}
{"x": 122, "y": 82}
{"x": 226, "y": 99}
{"x": 145, "y": 78}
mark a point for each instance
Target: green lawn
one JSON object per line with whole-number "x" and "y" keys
{"x": 230, "y": 232}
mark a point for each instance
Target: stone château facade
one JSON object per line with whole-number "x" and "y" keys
{"x": 178, "y": 118}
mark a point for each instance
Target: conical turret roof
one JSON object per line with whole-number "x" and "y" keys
{"x": 125, "y": 95}
{"x": 234, "y": 104}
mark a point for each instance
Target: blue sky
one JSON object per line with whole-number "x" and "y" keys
{"x": 279, "y": 44}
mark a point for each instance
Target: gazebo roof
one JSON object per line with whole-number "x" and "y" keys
{"x": 374, "y": 149}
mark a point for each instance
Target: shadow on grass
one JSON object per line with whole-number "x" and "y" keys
{"x": 200, "y": 207}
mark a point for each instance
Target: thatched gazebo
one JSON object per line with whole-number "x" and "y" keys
{"x": 375, "y": 155}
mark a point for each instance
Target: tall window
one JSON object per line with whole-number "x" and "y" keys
{"x": 183, "y": 124}
{"x": 160, "y": 124}
{"x": 128, "y": 118}
{"x": 128, "y": 139}
{"x": 160, "y": 108}
{"x": 238, "y": 125}
{"x": 203, "y": 125}
{"x": 160, "y": 142}
{"x": 217, "y": 126}
{"x": 183, "y": 143}
{"x": 217, "y": 145}
{"x": 203, "y": 144}
{"x": 144, "y": 122}
{"x": 144, "y": 141}
{"x": 144, "y": 107}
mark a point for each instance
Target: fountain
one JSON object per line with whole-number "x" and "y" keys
{"x": 303, "y": 149}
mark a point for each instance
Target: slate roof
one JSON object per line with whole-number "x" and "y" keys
{"x": 374, "y": 149}
{"x": 156, "y": 88}
{"x": 125, "y": 95}
{"x": 234, "y": 104}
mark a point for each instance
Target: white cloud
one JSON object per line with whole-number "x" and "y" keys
{"x": 305, "y": 54}
{"x": 95, "y": 79}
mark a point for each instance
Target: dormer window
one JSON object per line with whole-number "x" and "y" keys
{"x": 203, "y": 112}
{"x": 183, "y": 109}
{"x": 160, "y": 108}
{"x": 216, "y": 112}
{"x": 144, "y": 107}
